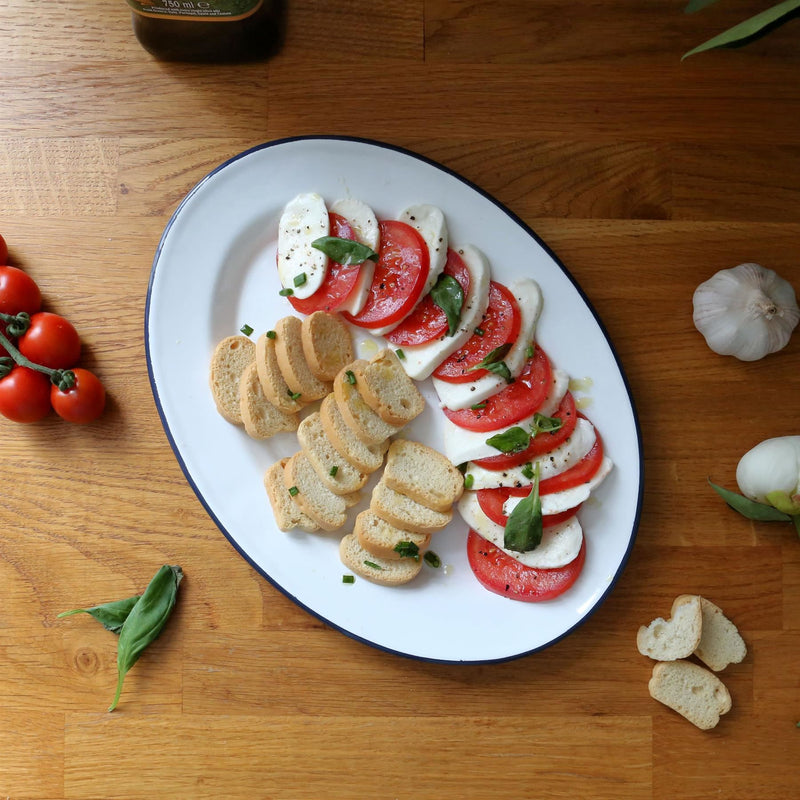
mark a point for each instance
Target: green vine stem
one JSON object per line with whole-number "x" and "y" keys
{"x": 16, "y": 324}
{"x": 64, "y": 379}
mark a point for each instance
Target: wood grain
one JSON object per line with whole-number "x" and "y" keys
{"x": 644, "y": 174}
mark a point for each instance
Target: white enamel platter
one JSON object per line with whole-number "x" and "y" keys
{"x": 214, "y": 271}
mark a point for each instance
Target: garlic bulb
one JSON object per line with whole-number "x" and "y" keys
{"x": 748, "y": 311}
{"x": 772, "y": 465}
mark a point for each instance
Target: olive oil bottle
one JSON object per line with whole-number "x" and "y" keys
{"x": 214, "y": 31}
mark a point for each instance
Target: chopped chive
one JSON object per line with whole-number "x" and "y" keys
{"x": 246, "y": 329}
{"x": 271, "y": 334}
{"x": 400, "y": 354}
{"x": 478, "y": 406}
{"x": 286, "y": 292}
{"x": 432, "y": 560}
{"x": 294, "y": 395}
{"x": 293, "y": 490}
{"x": 468, "y": 481}
{"x": 527, "y": 470}
{"x": 529, "y": 351}
{"x": 334, "y": 469}
{"x": 350, "y": 377}
{"x": 348, "y": 578}
{"x": 406, "y": 549}
{"x": 300, "y": 279}
{"x": 373, "y": 565}
{"x": 479, "y": 331}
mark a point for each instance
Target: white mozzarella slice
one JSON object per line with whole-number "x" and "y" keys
{"x": 429, "y": 222}
{"x": 463, "y": 395}
{"x": 304, "y": 219}
{"x": 559, "y": 546}
{"x": 421, "y": 360}
{"x": 461, "y": 445}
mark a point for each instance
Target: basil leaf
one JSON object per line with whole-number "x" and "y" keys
{"x": 495, "y": 357}
{"x": 449, "y": 296}
{"x": 501, "y": 369}
{"x": 524, "y": 527}
{"x": 543, "y": 424}
{"x": 750, "y": 508}
{"x": 514, "y": 440}
{"x": 344, "y": 251}
{"x": 110, "y": 615}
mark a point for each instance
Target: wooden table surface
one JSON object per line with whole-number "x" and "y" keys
{"x": 644, "y": 174}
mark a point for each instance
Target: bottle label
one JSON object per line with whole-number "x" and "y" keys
{"x": 227, "y": 10}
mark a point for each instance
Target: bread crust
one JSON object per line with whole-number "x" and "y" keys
{"x": 230, "y": 359}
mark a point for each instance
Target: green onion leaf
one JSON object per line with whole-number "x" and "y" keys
{"x": 333, "y": 470}
{"x": 478, "y": 406}
{"x": 432, "y": 560}
{"x": 407, "y": 549}
{"x": 350, "y": 377}
{"x": 271, "y": 334}
{"x": 373, "y": 565}
{"x": 760, "y": 512}
{"x": 529, "y": 351}
{"x": 246, "y": 329}
{"x": 514, "y": 440}
{"x": 286, "y": 292}
{"x": 348, "y": 578}
{"x": 294, "y": 491}
{"x": 294, "y": 395}
{"x": 479, "y": 331}
{"x": 469, "y": 480}
{"x": 524, "y": 529}
{"x": 300, "y": 279}
{"x": 449, "y": 296}
{"x": 400, "y": 354}
{"x": 344, "y": 251}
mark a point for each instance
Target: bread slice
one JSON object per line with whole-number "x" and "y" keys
{"x": 261, "y": 419}
{"x": 720, "y": 641}
{"x": 403, "y": 512}
{"x": 377, "y": 570}
{"x": 678, "y": 637}
{"x": 273, "y": 383}
{"x": 335, "y": 472}
{"x": 292, "y": 361}
{"x": 364, "y": 457}
{"x": 230, "y": 359}
{"x": 387, "y": 389}
{"x": 422, "y": 473}
{"x": 327, "y": 344}
{"x": 360, "y": 418}
{"x": 693, "y": 691}
{"x": 286, "y": 512}
{"x": 381, "y": 538}
{"x": 312, "y": 496}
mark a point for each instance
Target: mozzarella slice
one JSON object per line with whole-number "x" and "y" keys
{"x": 429, "y": 222}
{"x": 419, "y": 361}
{"x": 463, "y": 395}
{"x": 559, "y": 546}
{"x": 304, "y": 219}
{"x": 461, "y": 445}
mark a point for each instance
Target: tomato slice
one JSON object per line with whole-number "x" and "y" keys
{"x": 340, "y": 279}
{"x": 500, "y": 573}
{"x": 517, "y": 401}
{"x": 500, "y": 325}
{"x": 400, "y": 276}
{"x": 492, "y": 501}
{"x": 427, "y": 321}
{"x": 541, "y": 443}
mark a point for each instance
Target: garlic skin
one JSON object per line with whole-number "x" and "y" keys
{"x": 771, "y": 466}
{"x": 747, "y": 311}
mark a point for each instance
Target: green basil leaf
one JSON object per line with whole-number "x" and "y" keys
{"x": 760, "y": 512}
{"x": 697, "y": 5}
{"x": 543, "y": 424}
{"x": 110, "y": 615}
{"x": 495, "y": 357}
{"x": 514, "y": 440}
{"x": 449, "y": 296}
{"x": 501, "y": 368}
{"x": 344, "y": 251}
{"x": 524, "y": 527}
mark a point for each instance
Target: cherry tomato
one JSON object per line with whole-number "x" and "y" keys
{"x": 83, "y": 402}
{"x": 428, "y": 321}
{"x": 400, "y": 276}
{"x": 3, "y": 250}
{"x": 500, "y": 325}
{"x": 25, "y": 395}
{"x": 492, "y": 501}
{"x": 18, "y": 292}
{"x": 51, "y": 341}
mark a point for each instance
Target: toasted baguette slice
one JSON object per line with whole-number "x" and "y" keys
{"x": 364, "y": 457}
{"x": 360, "y": 418}
{"x": 381, "y": 538}
{"x": 326, "y": 459}
{"x": 292, "y": 361}
{"x": 327, "y": 344}
{"x": 422, "y": 473}
{"x": 403, "y": 512}
{"x": 720, "y": 641}
{"x": 692, "y": 691}
{"x": 377, "y": 570}
{"x": 312, "y": 496}
{"x": 678, "y": 637}
{"x": 287, "y": 513}
{"x": 261, "y": 419}
{"x": 387, "y": 389}
{"x": 273, "y": 383}
{"x": 230, "y": 359}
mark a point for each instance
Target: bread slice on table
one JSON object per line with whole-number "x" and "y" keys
{"x": 423, "y": 474}
{"x": 720, "y": 641}
{"x": 327, "y": 344}
{"x": 313, "y": 497}
{"x": 387, "y": 389}
{"x": 273, "y": 383}
{"x": 678, "y": 637}
{"x": 261, "y": 419}
{"x": 230, "y": 359}
{"x": 358, "y": 415}
{"x": 333, "y": 470}
{"x": 364, "y": 457}
{"x": 292, "y": 361}
{"x": 403, "y": 512}
{"x": 693, "y": 691}
{"x": 286, "y": 512}
{"x": 383, "y": 571}
{"x": 381, "y": 538}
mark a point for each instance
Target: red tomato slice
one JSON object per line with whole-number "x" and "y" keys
{"x": 500, "y": 573}
{"x": 340, "y": 279}
{"x": 517, "y": 401}
{"x": 492, "y": 501}
{"x": 541, "y": 443}
{"x": 427, "y": 321}
{"x": 500, "y": 325}
{"x": 400, "y": 276}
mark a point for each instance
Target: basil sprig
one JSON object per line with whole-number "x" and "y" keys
{"x": 517, "y": 439}
{"x": 524, "y": 528}
{"x": 543, "y": 424}
{"x": 760, "y": 512}
{"x": 110, "y": 615}
{"x": 494, "y": 362}
{"x": 344, "y": 251}
{"x": 449, "y": 296}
